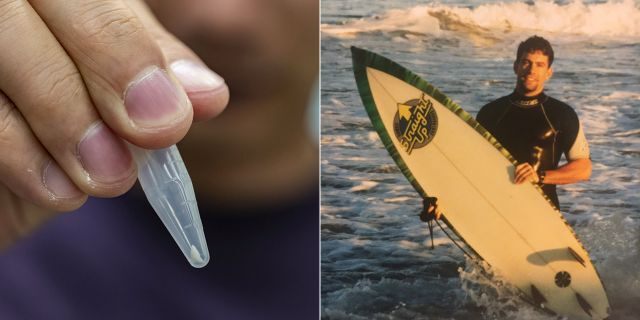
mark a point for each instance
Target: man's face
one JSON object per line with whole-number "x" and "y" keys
{"x": 533, "y": 71}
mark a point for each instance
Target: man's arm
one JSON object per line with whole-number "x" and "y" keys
{"x": 578, "y": 166}
{"x": 573, "y": 171}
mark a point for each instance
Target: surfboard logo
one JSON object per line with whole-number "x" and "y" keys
{"x": 415, "y": 123}
{"x": 563, "y": 279}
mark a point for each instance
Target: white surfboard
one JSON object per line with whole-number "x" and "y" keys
{"x": 445, "y": 153}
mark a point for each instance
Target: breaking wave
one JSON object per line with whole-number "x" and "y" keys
{"x": 611, "y": 18}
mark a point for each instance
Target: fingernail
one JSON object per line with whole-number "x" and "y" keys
{"x": 57, "y": 182}
{"x": 153, "y": 100}
{"x": 103, "y": 155}
{"x": 195, "y": 77}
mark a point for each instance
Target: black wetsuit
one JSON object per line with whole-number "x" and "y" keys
{"x": 536, "y": 130}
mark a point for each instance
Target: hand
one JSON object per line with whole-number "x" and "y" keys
{"x": 79, "y": 78}
{"x": 524, "y": 172}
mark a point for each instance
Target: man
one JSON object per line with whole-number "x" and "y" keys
{"x": 535, "y": 128}
{"x": 538, "y": 129}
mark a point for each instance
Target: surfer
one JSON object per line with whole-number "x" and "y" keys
{"x": 535, "y": 128}
{"x": 538, "y": 129}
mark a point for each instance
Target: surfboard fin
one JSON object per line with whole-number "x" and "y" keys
{"x": 584, "y": 304}
{"x": 577, "y": 256}
{"x": 538, "y": 298}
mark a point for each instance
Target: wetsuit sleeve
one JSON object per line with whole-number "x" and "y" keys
{"x": 573, "y": 142}
{"x": 580, "y": 147}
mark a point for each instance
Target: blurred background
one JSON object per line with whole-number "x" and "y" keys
{"x": 255, "y": 172}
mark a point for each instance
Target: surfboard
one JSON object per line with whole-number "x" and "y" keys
{"x": 445, "y": 153}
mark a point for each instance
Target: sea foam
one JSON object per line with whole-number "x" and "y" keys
{"x": 611, "y": 18}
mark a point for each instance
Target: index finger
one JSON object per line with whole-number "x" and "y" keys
{"x": 523, "y": 167}
{"x": 123, "y": 68}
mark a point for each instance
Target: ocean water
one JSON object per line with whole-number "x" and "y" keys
{"x": 376, "y": 257}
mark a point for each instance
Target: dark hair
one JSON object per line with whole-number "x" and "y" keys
{"x": 533, "y": 44}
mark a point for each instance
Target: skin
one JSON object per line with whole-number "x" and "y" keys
{"x": 532, "y": 71}
{"x": 72, "y": 70}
